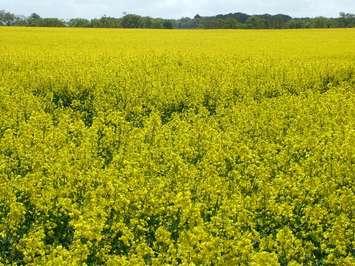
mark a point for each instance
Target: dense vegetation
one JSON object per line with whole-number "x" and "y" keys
{"x": 228, "y": 21}
{"x": 131, "y": 147}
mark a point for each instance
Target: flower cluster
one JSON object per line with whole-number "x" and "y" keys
{"x": 134, "y": 147}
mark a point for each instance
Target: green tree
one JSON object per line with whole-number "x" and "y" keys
{"x": 131, "y": 21}
{"x": 321, "y": 22}
{"x": 79, "y": 22}
{"x": 35, "y": 16}
{"x": 167, "y": 24}
{"x": 7, "y": 18}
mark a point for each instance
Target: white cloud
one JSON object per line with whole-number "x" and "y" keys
{"x": 175, "y": 8}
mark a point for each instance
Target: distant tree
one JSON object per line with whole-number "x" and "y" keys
{"x": 279, "y": 21}
{"x": 109, "y": 22}
{"x": 105, "y": 22}
{"x": 146, "y": 22}
{"x": 20, "y": 21}
{"x": 157, "y": 23}
{"x": 34, "y": 16}
{"x": 52, "y": 22}
{"x": 257, "y": 22}
{"x": 7, "y": 18}
{"x": 346, "y": 20}
{"x": 342, "y": 14}
{"x": 220, "y": 21}
{"x": 36, "y": 20}
{"x": 184, "y": 23}
{"x": 230, "y": 23}
{"x": 346, "y": 15}
{"x": 79, "y": 22}
{"x": 296, "y": 23}
{"x": 167, "y": 24}
{"x": 131, "y": 21}
{"x": 320, "y": 22}
{"x": 241, "y": 17}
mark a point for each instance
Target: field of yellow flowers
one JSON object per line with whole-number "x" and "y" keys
{"x": 153, "y": 147}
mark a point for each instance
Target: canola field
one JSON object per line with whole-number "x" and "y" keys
{"x": 153, "y": 147}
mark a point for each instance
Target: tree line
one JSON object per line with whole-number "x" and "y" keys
{"x": 227, "y": 21}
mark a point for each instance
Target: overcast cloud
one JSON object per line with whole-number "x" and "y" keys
{"x": 176, "y": 8}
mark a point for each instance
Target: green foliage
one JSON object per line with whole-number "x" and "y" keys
{"x": 6, "y": 18}
{"x": 193, "y": 147}
{"x": 228, "y": 21}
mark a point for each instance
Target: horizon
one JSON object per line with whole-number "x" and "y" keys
{"x": 172, "y": 9}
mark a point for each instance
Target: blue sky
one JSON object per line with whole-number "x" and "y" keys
{"x": 175, "y": 8}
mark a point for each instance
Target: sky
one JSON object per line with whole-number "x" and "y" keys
{"x": 176, "y": 8}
